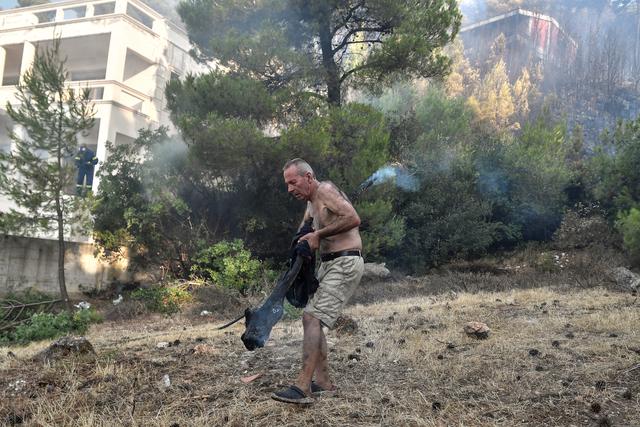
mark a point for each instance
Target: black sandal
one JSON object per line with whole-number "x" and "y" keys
{"x": 292, "y": 394}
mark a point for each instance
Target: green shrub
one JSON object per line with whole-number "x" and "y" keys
{"x": 166, "y": 299}
{"x": 83, "y": 318}
{"x": 229, "y": 265}
{"x": 546, "y": 262}
{"x": 42, "y": 326}
{"x": 628, "y": 224}
{"x": 291, "y": 312}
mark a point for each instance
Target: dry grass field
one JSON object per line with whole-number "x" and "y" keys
{"x": 557, "y": 355}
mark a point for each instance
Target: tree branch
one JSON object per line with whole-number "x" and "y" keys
{"x": 347, "y": 18}
{"x": 345, "y": 40}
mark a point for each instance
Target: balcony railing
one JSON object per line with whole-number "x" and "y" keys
{"x": 101, "y": 91}
{"x": 73, "y": 10}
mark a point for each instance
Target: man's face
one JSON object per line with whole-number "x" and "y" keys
{"x": 297, "y": 185}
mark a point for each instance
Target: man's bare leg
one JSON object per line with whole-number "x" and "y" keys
{"x": 322, "y": 367}
{"x": 311, "y": 351}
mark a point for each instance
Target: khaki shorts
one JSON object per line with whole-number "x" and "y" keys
{"x": 338, "y": 280}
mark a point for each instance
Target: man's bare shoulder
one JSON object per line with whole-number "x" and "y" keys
{"x": 329, "y": 189}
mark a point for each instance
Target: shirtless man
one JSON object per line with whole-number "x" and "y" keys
{"x": 336, "y": 235}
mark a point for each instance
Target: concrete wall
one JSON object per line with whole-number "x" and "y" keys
{"x": 30, "y": 262}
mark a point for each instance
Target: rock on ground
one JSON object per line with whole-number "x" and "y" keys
{"x": 477, "y": 329}
{"x": 345, "y": 325}
{"x": 625, "y": 278}
{"x": 374, "y": 270}
{"x": 65, "y": 347}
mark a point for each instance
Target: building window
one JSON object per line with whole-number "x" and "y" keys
{"x": 47, "y": 16}
{"x": 75, "y": 12}
{"x": 104, "y": 8}
{"x": 139, "y": 16}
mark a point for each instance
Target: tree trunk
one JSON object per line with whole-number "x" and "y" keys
{"x": 328, "y": 62}
{"x": 59, "y": 212}
{"x": 61, "y": 252}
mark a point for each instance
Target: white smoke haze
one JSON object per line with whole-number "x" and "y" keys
{"x": 472, "y": 11}
{"x": 392, "y": 173}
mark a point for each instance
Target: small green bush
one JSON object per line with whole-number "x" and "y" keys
{"x": 166, "y": 299}
{"x": 229, "y": 265}
{"x": 546, "y": 262}
{"x": 291, "y": 312}
{"x": 628, "y": 224}
{"x": 42, "y": 326}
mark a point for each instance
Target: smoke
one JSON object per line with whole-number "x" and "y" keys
{"x": 403, "y": 178}
{"x": 473, "y": 10}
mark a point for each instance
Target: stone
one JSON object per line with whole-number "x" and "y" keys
{"x": 203, "y": 349}
{"x": 477, "y": 330}
{"x": 374, "y": 270}
{"x": 65, "y": 347}
{"x": 345, "y": 325}
{"x": 625, "y": 278}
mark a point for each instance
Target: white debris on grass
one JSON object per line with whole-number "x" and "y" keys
{"x": 166, "y": 381}
{"x": 83, "y": 305}
{"x": 117, "y": 300}
{"x": 16, "y": 386}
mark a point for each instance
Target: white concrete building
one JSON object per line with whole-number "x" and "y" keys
{"x": 123, "y": 50}
{"x": 125, "y": 53}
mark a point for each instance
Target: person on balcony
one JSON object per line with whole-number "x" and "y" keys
{"x": 86, "y": 161}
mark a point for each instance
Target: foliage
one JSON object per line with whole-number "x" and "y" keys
{"x": 539, "y": 176}
{"x": 229, "y": 265}
{"x": 291, "y": 312}
{"x": 324, "y": 45}
{"x": 583, "y": 227}
{"x": 628, "y": 224}
{"x": 166, "y": 299}
{"x": 36, "y": 172}
{"x": 382, "y": 230}
{"x": 42, "y": 326}
{"x": 613, "y": 176}
{"x": 143, "y": 204}
{"x": 481, "y": 187}
{"x": 493, "y": 102}
{"x": 238, "y": 168}
{"x": 445, "y": 217}
{"x": 227, "y": 95}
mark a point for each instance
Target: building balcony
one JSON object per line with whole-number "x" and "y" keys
{"x": 75, "y": 10}
{"x": 101, "y": 92}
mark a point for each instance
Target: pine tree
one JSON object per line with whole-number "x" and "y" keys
{"x": 314, "y": 47}
{"x": 36, "y": 171}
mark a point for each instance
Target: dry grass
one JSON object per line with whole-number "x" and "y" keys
{"x": 415, "y": 367}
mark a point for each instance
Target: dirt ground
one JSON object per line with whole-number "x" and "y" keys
{"x": 556, "y": 355}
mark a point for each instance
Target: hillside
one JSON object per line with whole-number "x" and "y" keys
{"x": 558, "y": 354}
